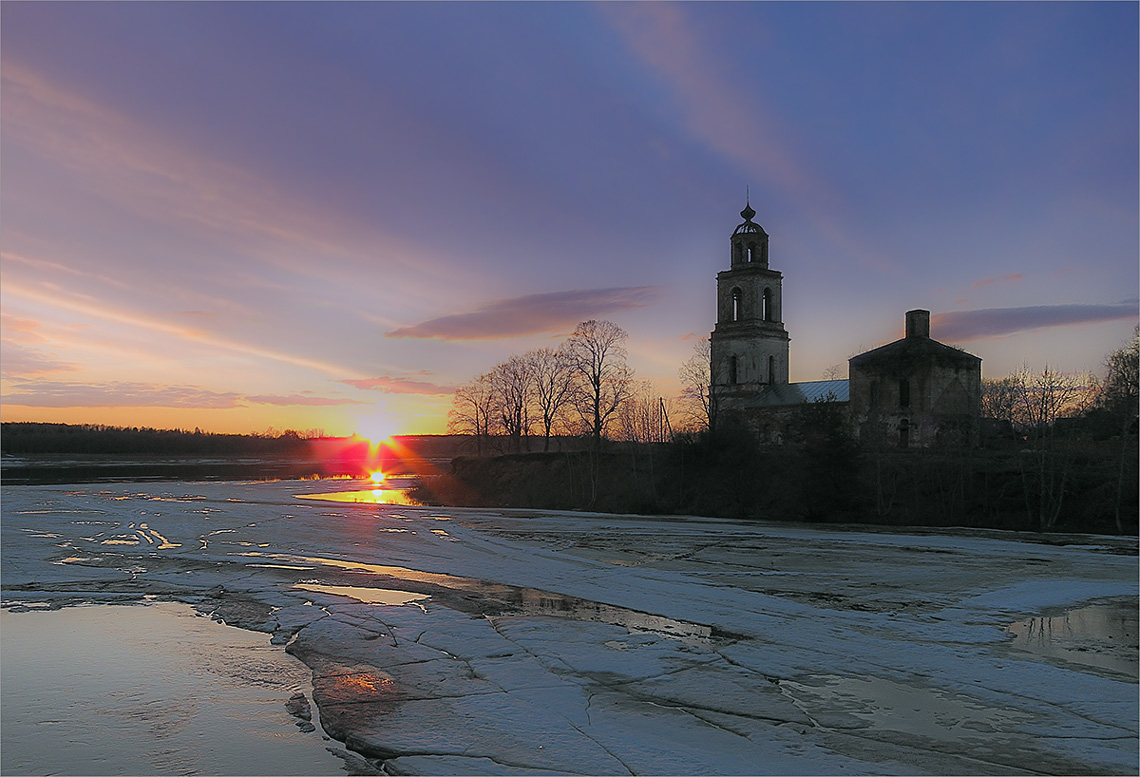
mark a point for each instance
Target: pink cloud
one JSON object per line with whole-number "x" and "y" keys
{"x": 531, "y": 314}
{"x": 21, "y": 362}
{"x": 117, "y": 394}
{"x": 399, "y": 386}
{"x": 303, "y": 399}
{"x": 1011, "y": 278}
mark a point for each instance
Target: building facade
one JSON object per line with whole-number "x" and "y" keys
{"x": 916, "y": 391}
{"x": 913, "y": 392}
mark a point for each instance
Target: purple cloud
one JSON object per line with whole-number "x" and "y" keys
{"x": 531, "y": 314}
{"x": 399, "y": 386}
{"x": 967, "y": 325}
{"x": 1011, "y": 278}
{"x": 117, "y": 394}
{"x": 24, "y": 362}
{"x": 303, "y": 399}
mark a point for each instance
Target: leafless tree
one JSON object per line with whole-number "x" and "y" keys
{"x": 1118, "y": 398}
{"x": 1120, "y": 391}
{"x": 697, "y": 396}
{"x": 644, "y": 417}
{"x": 513, "y": 390}
{"x": 553, "y": 387}
{"x": 1033, "y": 403}
{"x": 603, "y": 379}
{"x": 999, "y": 398}
{"x": 472, "y": 407}
{"x": 1044, "y": 398}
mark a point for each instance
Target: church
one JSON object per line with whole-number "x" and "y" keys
{"x": 913, "y": 392}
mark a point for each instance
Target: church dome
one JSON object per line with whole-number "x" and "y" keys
{"x": 749, "y": 227}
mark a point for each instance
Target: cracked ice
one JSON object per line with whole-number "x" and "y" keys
{"x": 543, "y": 642}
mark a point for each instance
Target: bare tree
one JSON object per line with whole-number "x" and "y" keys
{"x": 1043, "y": 398}
{"x": 644, "y": 417}
{"x": 472, "y": 407}
{"x": 1036, "y": 402}
{"x": 1120, "y": 391}
{"x": 834, "y": 372}
{"x": 697, "y": 395}
{"x": 1033, "y": 402}
{"x": 603, "y": 379}
{"x": 999, "y": 398}
{"x": 512, "y": 386}
{"x": 553, "y": 388}
{"x": 1118, "y": 398}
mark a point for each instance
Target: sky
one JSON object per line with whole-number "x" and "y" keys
{"x": 245, "y": 217}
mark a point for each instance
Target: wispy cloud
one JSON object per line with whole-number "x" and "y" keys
{"x": 662, "y": 36}
{"x": 152, "y": 176}
{"x": 1011, "y": 278}
{"x": 968, "y": 325}
{"x": 117, "y": 394}
{"x": 303, "y": 399}
{"x": 22, "y": 362}
{"x": 400, "y": 386}
{"x": 156, "y": 325}
{"x": 531, "y": 314}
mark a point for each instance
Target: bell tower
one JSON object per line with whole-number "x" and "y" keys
{"x": 749, "y": 346}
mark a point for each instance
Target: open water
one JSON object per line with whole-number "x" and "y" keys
{"x": 149, "y": 689}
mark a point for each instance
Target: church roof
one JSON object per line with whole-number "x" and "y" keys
{"x": 909, "y": 349}
{"x": 783, "y": 394}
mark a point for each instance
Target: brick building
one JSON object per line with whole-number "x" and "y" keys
{"x": 915, "y": 391}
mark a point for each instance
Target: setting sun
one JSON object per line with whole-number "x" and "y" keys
{"x": 377, "y": 476}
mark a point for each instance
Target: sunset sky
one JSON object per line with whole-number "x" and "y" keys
{"x": 238, "y": 216}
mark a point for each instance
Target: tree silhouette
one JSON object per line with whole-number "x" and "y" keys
{"x": 604, "y": 380}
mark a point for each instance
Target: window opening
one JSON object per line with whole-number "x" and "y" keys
{"x": 769, "y": 314}
{"x": 736, "y": 311}
{"x": 732, "y": 370}
{"x": 904, "y": 393}
{"x": 771, "y": 369}
{"x": 904, "y": 433}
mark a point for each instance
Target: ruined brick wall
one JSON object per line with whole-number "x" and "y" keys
{"x": 921, "y": 404}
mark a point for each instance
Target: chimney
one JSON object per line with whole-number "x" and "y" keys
{"x": 918, "y": 323}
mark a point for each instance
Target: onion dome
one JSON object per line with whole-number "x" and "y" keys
{"x": 749, "y": 226}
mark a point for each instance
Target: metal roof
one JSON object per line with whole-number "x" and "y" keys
{"x": 781, "y": 394}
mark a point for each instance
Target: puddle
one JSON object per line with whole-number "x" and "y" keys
{"x": 885, "y": 705}
{"x": 1101, "y": 635}
{"x": 98, "y": 690}
{"x": 369, "y": 496}
{"x": 367, "y": 595}
{"x": 498, "y": 600}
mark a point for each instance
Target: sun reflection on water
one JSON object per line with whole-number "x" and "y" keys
{"x": 375, "y": 496}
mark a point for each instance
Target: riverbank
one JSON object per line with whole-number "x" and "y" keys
{"x": 1083, "y": 487}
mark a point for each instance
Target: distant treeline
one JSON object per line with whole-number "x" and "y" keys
{"x": 39, "y": 438}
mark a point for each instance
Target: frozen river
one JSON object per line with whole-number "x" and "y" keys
{"x": 462, "y": 641}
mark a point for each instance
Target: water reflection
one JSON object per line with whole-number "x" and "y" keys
{"x": 372, "y": 496}
{"x": 499, "y": 600}
{"x": 1102, "y": 635}
{"x": 367, "y": 595}
{"x": 98, "y": 690}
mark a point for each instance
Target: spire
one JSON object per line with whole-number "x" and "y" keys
{"x": 749, "y": 226}
{"x": 747, "y": 213}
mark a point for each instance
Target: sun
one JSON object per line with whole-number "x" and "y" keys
{"x": 377, "y": 476}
